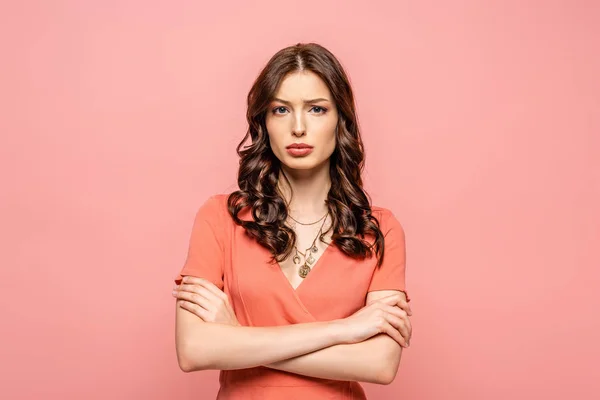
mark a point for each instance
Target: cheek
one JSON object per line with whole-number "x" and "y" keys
{"x": 330, "y": 145}
{"x": 274, "y": 134}
{"x": 329, "y": 140}
{"x": 275, "y": 145}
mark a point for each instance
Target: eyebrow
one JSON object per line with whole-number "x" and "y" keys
{"x": 305, "y": 101}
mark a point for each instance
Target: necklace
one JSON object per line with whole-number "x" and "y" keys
{"x": 310, "y": 223}
{"x": 308, "y": 254}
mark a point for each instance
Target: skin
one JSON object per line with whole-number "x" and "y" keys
{"x": 293, "y": 118}
{"x": 366, "y": 346}
{"x": 210, "y": 303}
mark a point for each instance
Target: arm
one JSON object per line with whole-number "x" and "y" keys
{"x": 375, "y": 360}
{"x": 201, "y": 345}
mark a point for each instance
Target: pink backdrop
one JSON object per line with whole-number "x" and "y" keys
{"x": 482, "y": 129}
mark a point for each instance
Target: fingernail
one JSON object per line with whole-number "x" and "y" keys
{"x": 174, "y": 292}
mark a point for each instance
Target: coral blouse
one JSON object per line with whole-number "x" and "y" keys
{"x": 261, "y": 295}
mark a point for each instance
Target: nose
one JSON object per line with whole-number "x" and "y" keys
{"x": 299, "y": 128}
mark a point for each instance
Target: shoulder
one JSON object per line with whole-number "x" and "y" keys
{"x": 387, "y": 219}
{"x": 218, "y": 201}
{"x": 214, "y": 208}
{"x": 379, "y": 211}
{"x": 383, "y": 215}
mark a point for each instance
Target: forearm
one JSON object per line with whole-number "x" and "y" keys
{"x": 224, "y": 347}
{"x": 375, "y": 360}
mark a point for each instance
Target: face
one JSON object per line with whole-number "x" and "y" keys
{"x": 301, "y": 122}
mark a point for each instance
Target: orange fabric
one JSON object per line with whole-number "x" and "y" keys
{"x": 261, "y": 295}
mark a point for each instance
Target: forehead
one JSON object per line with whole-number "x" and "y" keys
{"x": 302, "y": 85}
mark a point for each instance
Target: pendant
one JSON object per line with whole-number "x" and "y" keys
{"x": 303, "y": 271}
{"x": 296, "y": 259}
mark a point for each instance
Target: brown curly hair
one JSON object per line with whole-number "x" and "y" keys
{"x": 347, "y": 201}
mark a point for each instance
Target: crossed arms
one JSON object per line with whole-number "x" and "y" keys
{"x": 316, "y": 349}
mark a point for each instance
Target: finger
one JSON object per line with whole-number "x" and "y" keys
{"x": 390, "y": 300}
{"x": 196, "y": 298}
{"x": 397, "y": 300}
{"x": 403, "y": 304}
{"x": 394, "y": 334}
{"x": 407, "y": 333}
{"x": 400, "y": 325}
{"x": 201, "y": 290}
{"x": 194, "y": 280}
{"x": 214, "y": 290}
{"x": 194, "y": 309}
{"x": 198, "y": 294}
{"x": 409, "y": 328}
{"x": 400, "y": 313}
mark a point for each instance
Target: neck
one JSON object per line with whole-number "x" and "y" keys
{"x": 306, "y": 191}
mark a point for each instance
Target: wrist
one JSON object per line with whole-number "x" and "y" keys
{"x": 337, "y": 331}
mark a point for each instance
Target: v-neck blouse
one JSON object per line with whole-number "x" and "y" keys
{"x": 261, "y": 295}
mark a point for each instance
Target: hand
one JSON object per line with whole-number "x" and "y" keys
{"x": 402, "y": 303}
{"x": 204, "y": 299}
{"x": 380, "y": 316}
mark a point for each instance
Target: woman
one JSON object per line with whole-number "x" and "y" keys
{"x": 294, "y": 285}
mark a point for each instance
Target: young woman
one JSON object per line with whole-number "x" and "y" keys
{"x": 294, "y": 284}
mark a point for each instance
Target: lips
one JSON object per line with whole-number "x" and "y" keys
{"x": 299, "y": 149}
{"x": 299, "y": 146}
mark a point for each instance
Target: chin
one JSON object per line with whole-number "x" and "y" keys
{"x": 302, "y": 163}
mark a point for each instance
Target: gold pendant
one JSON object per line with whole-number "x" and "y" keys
{"x": 304, "y": 270}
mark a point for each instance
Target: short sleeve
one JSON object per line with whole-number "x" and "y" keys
{"x": 390, "y": 275}
{"x": 205, "y": 257}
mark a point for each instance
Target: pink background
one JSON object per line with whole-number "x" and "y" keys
{"x": 482, "y": 128}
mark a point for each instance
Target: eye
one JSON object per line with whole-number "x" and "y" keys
{"x": 279, "y": 109}
{"x": 320, "y": 110}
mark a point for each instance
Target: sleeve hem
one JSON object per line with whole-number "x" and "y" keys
{"x": 218, "y": 284}
{"x": 391, "y": 288}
